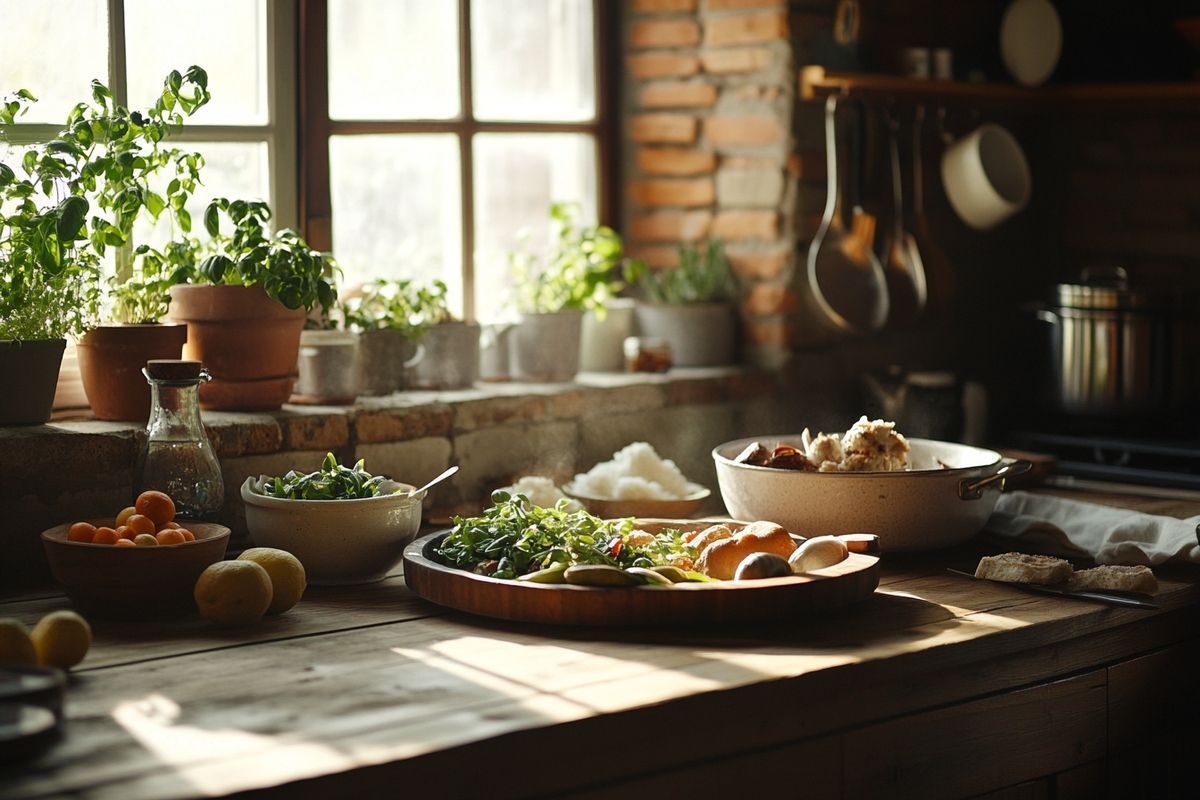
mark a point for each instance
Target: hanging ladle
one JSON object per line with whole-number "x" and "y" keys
{"x": 844, "y": 276}
{"x": 902, "y": 258}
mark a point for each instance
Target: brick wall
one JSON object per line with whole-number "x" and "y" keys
{"x": 709, "y": 98}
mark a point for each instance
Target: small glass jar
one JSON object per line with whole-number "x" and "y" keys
{"x": 178, "y": 458}
{"x": 647, "y": 354}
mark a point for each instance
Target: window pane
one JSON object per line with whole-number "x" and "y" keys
{"x": 397, "y": 211}
{"x": 53, "y": 48}
{"x": 517, "y": 177}
{"x": 533, "y": 59}
{"x": 393, "y": 59}
{"x": 237, "y": 170}
{"x": 228, "y": 38}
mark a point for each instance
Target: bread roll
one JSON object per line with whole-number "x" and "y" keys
{"x": 1024, "y": 568}
{"x": 720, "y": 559}
{"x": 707, "y": 536}
{"x": 1115, "y": 578}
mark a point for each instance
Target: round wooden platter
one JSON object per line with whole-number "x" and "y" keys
{"x": 772, "y": 599}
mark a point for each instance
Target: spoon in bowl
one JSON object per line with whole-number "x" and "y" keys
{"x": 445, "y": 474}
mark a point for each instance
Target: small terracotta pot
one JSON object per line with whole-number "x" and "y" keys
{"x": 248, "y": 342}
{"x": 111, "y": 358}
{"x": 34, "y": 363}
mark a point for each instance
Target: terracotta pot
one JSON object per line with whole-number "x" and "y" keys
{"x": 248, "y": 341}
{"x": 34, "y": 363}
{"x": 111, "y": 358}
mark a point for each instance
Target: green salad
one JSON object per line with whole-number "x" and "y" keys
{"x": 515, "y": 539}
{"x": 332, "y": 481}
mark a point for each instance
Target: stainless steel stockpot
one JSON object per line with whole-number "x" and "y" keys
{"x": 1109, "y": 347}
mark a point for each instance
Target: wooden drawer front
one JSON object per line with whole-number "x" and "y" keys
{"x": 1151, "y": 694}
{"x": 982, "y": 745}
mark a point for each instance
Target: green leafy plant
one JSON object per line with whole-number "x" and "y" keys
{"x": 701, "y": 277}
{"x": 332, "y": 481}
{"x": 283, "y": 264}
{"x": 70, "y": 199}
{"x": 404, "y": 306}
{"x": 584, "y": 268}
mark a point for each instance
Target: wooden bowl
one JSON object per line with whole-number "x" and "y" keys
{"x": 133, "y": 582}
{"x": 609, "y": 508}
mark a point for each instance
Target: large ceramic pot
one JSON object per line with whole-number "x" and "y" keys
{"x": 111, "y": 358}
{"x": 546, "y": 346}
{"x": 247, "y": 340}
{"x": 451, "y": 359}
{"x": 703, "y": 335}
{"x": 35, "y": 364}
{"x": 384, "y": 359}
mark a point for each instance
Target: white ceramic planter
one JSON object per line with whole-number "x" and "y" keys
{"x": 328, "y": 368}
{"x": 603, "y": 338}
{"x": 338, "y": 541}
{"x": 703, "y": 335}
{"x": 545, "y": 347}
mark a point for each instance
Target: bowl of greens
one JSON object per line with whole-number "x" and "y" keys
{"x": 343, "y": 523}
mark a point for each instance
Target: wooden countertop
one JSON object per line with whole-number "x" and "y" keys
{"x": 362, "y": 688}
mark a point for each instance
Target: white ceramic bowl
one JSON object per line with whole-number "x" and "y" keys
{"x": 919, "y": 509}
{"x": 338, "y": 541}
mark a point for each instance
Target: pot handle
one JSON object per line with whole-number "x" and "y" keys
{"x": 417, "y": 358}
{"x": 972, "y": 489}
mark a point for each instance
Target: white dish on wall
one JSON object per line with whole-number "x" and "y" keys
{"x": 1030, "y": 40}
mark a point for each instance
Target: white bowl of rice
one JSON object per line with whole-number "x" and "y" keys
{"x": 637, "y": 483}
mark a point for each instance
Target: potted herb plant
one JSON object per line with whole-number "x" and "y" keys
{"x": 581, "y": 272}
{"x": 393, "y": 318}
{"x": 61, "y": 207}
{"x": 691, "y": 307}
{"x": 245, "y": 305}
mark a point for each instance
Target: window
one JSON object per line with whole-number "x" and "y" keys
{"x": 436, "y": 131}
{"x": 55, "y": 48}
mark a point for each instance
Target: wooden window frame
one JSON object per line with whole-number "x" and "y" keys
{"x": 315, "y": 128}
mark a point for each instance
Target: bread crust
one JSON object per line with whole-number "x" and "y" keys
{"x": 1115, "y": 578}
{"x": 1024, "y": 568}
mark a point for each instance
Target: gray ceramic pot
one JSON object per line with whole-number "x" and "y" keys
{"x": 451, "y": 359}
{"x": 35, "y": 363}
{"x": 328, "y": 368}
{"x": 699, "y": 335}
{"x": 546, "y": 346}
{"x": 384, "y": 358}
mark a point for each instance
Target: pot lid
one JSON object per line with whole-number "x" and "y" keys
{"x": 171, "y": 369}
{"x": 1106, "y": 288}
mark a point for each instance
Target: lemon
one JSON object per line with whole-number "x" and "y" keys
{"x": 286, "y": 572}
{"x": 16, "y": 648}
{"x": 233, "y": 592}
{"x": 62, "y": 639}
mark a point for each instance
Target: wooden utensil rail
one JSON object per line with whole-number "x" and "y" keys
{"x": 938, "y": 685}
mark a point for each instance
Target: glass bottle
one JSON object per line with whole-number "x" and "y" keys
{"x": 178, "y": 458}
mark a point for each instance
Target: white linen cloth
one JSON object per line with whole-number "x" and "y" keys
{"x": 1075, "y": 529}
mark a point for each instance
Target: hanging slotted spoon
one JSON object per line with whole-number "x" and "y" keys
{"x": 902, "y": 258}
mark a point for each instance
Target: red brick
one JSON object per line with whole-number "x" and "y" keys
{"x": 682, "y": 192}
{"x": 678, "y": 32}
{"x": 743, "y": 130}
{"x": 675, "y": 161}
{"x": 678, "y": 94}
{"x": 730, "y": 5}
{"x": 732, "y": 225}
{"x": 764, "y": 298}
{"x": 674, "y": 128}
{"x": 763, "y": 26}
{"x": 652, "y": 6}
{"x": 662, "y": 65}
{"x": 735, "y": 59}
{"x": 752, "y": 264}
{"x": 656, "y": 257}
{"x": 670, "y": 226}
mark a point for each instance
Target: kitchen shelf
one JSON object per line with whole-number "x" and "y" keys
{"x": 816, "y": 82}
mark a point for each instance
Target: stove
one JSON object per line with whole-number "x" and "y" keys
{"x": 1146, "y": 462}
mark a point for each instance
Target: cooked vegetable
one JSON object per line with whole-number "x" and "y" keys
{"x": 332, "y": 481}
{"x": 515, "y": 537}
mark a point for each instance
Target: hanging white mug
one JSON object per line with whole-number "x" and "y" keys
{"x": 986, "y": 176}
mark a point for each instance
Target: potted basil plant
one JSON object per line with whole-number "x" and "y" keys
{"x": 691, "y": 307}
{"x": 246, "y": 303}
{"x": 580, "y": 273}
